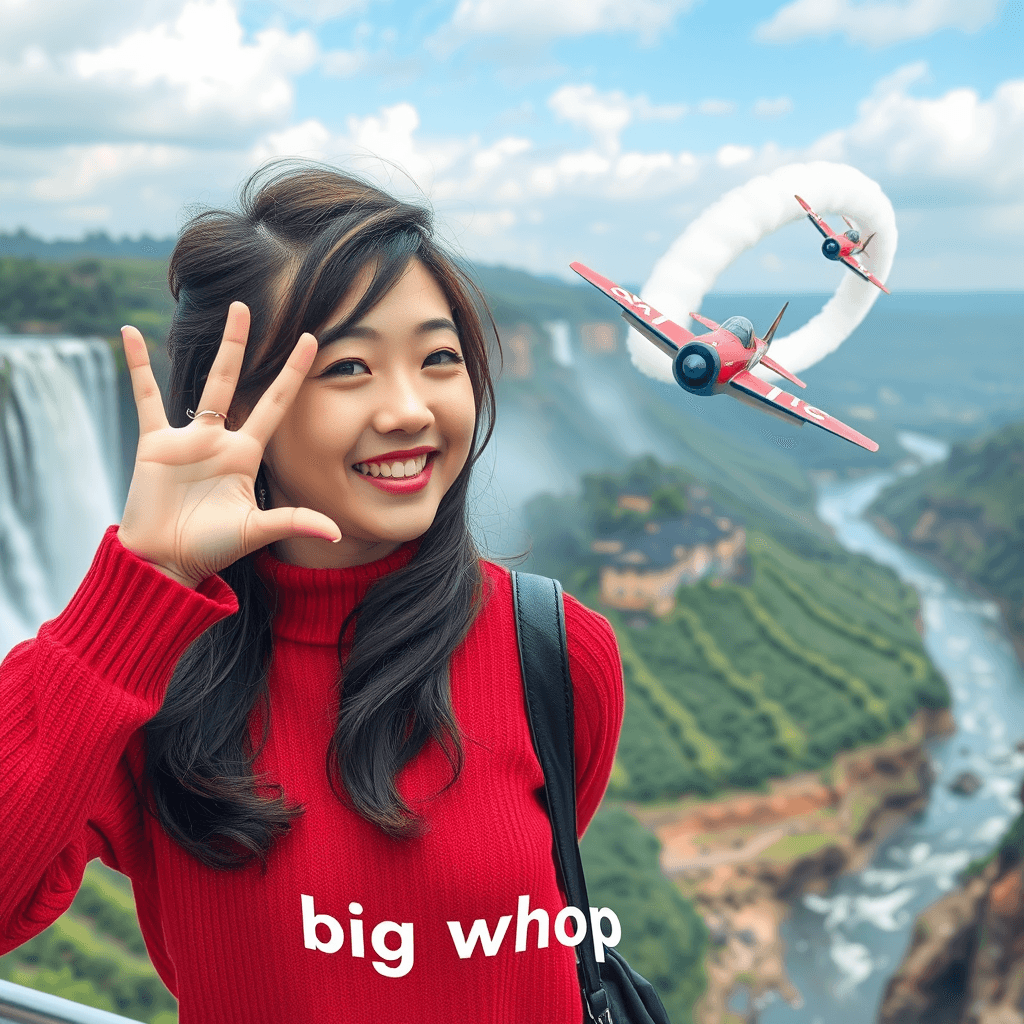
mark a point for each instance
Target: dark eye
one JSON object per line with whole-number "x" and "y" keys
{"x": 347, "y": 368}
{"x": 443, "y": 357}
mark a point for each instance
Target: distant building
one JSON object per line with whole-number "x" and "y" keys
{"x": 644, "y": 569}
{"x": 635, "y": 503}
{"x": 519, "y": 343}
{"x": 599, "y": 338}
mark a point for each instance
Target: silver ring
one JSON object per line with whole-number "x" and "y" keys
{"x": 204, "y": 412}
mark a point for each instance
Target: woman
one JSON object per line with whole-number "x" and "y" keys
{"x": 285, "y": 700}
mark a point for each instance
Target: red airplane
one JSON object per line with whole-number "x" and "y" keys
{"x": 843, "y": 247}
{"x": 720, "y": 362}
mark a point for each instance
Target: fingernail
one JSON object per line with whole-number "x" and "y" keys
{"x": 335, "y": 541}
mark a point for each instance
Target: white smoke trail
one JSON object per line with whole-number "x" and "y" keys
{"x": 751, "y": 212}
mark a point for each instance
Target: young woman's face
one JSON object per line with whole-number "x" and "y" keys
{"x": 380, "y": 428}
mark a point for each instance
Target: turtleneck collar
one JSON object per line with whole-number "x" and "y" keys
{"x": 313, "y": 603}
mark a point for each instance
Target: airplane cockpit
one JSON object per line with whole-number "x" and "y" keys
{"x": 853, "y": 235}
{"x": 742, "y": 328}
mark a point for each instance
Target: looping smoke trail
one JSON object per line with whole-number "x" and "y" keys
{"x": 751, "y": 212}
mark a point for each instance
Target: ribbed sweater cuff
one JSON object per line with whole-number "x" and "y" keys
{"x": 128, "y": 621}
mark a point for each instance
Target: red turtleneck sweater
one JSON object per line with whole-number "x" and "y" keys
{"x": 238, "y": 947}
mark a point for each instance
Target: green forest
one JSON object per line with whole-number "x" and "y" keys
{"x": 85, "y": 297}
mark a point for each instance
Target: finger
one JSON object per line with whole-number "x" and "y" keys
{"x": 262, "y": 528}
{"x": 223, "y": 377}
{"x": 148, "y": 402}
{"x": 266, "y": 416}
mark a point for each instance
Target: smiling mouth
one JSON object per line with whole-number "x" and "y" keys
{"x": 395, "y": 469}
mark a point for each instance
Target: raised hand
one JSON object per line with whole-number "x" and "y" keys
{"x": 191, "y": 509}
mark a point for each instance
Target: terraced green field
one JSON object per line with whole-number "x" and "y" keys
{"x": 744, "y": 681}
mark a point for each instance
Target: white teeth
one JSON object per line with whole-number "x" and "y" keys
{"x": 410, "y": 467}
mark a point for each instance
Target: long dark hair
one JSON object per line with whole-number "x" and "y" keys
{"x": 299, "y": 241}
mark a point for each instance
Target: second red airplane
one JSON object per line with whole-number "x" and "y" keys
{"x": 842, "y": 247}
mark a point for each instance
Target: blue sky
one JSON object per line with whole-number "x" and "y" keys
{"x": 540, "y": 130}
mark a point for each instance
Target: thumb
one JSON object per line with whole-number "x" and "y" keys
{"x": 281, "y": 523}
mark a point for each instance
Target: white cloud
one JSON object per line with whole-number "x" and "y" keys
{"x": 541, "y": 20}
{"x": 309, "y": 139}
{"x": 936, "y": 150}
{"x": 605, "y": 115}
{"x": 730, "y": 155}
{"x": 203, "y": 54}
{"x": 716, "y": 108}
{"x": 189, "y": 74}
{"x": 875, "y": 22}
{"x": 68, "y": 24}
{"x": 344, "y": 63}
{"x": 83, "y": 171}
{"x": 773, "y": 108}
{"x": 487, "y": 224}
{"x": 493, "y": 157}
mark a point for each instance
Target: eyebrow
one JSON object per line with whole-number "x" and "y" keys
{"x": 341, "y": 331}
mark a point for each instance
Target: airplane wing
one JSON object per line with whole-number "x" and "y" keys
{"x": 655, "y": 327}
{"x": 778, "y": 401}
{"x": 816, "y": 220}
{"x": 858, "y": 269}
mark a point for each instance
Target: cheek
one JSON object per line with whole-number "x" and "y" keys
{"x": 462, "y": 411}
{"x": 296, "y": 442}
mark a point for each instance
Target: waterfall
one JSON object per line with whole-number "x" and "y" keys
{"x": 60, "y": 483}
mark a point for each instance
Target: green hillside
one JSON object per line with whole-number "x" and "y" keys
{"x": 85, "y": 297}
{"x": 663, "y": 937}
{"x": 95, "y": 954}
{"x": 810, "y": 652}
{"x": 969, "y": 512}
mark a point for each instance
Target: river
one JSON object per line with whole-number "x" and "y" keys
{"x": 843, "y": 946}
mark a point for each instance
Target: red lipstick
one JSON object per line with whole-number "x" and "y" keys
{"x": 404, "y": 484}
{"x": 401, "y": 455}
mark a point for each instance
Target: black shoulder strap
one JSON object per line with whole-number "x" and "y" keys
{"x": 544, "y": 660}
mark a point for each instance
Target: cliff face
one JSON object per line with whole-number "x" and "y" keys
{"x": 743, "y": 858}
{"x": 965, "y": 964}
{"x": 967, "y": 514}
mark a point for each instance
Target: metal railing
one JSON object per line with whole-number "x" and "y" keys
{"x": 20, "y": 1005}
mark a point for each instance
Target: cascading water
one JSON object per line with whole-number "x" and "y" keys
{"x": 60, "y": 485}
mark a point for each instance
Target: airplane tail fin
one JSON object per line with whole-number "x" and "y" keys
{"x": 770, "y": 364}
{"x": 709, "y": 324}
{"x": 771, "y": 330}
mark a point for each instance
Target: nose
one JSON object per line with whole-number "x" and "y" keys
{"x": 403, "y": 407}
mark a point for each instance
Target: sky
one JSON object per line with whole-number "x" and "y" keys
{"x": 539, "y": 131}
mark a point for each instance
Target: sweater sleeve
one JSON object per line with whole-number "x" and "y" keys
{"x": 71, "y": 701}
{"x": 597, "y": 703}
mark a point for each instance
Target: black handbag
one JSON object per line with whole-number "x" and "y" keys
{"x": 612, "y": 992}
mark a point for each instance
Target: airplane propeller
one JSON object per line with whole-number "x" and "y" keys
{"x": 767, "y": 339}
